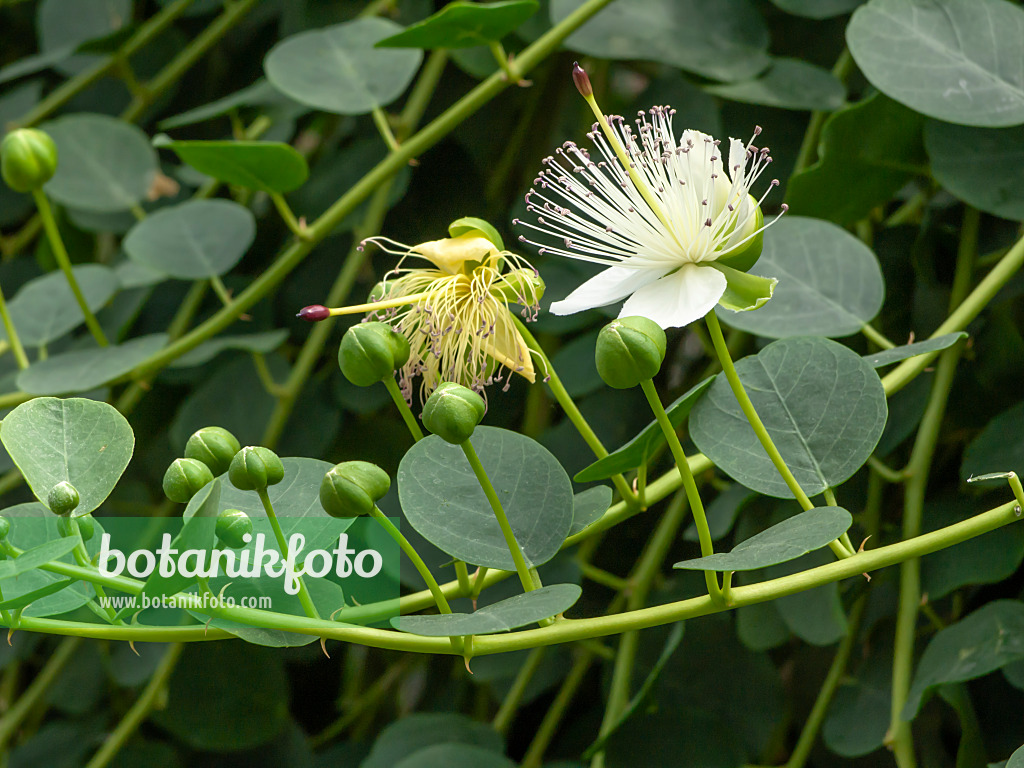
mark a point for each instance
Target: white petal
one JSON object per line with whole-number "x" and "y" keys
{"x": 607, "y": 287}
{"x": 678, "y": 299}
{"x": 737, "y": 157}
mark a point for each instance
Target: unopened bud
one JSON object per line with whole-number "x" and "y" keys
{"x": 629, "y": 350}
{"x": 372, "y": 352}
{"x": 353, "y": 488}
{"x": 314, "y": 313}
{"x": 231, "y": 527}
{"x": 184, "y": 478}
{"x": 86, "y": 526}
{"x": 28, "y": 159}
{"x": 214, "y": 446}
{"x": 582, "y": 80}
{"x": 63, "y": 498}
{"x": 452, "y": 412}
{"x": 254, "y": 468}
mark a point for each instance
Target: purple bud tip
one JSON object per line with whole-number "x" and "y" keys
{"x": 314, "y": 313}
{"x": 579, "y": 76}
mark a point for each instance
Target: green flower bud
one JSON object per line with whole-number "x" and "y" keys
{"x": 452, "y": 412}
{"x": 254, "y": 468}
{"x": 352, "y": 488}
{"x": 184, "y": 478}
{"x": 214, "y": 446}
{"x": 28, "y": 159}
{"x": 86, "y": 526}
{"x": 63, "y": 498}
{"x": 232, "y": 526}
{"x": 371, "y": 352}
{"x": 5, "y": 527}
{"x": 629, "y": 350}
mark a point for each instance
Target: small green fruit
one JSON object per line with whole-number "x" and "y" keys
{"x": 184, "y": 478}
{"x": 215, "y": 447}
{"x": 232, "y": 526}
{"x": 86, "y": 526}
{"x": 629, "y": 350}
{"x": 63, "y": 498}
{"x": 353, "y": 488}
{"x": 254, "y": 468}
{"x": 28, "y": 159}
{"x": 371, "y": 352}
{"x": 452, "y": 412}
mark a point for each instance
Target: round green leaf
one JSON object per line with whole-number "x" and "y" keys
{"x": 420, "y": 730}
{"x": 84, "y": 442}
{"x": 981, "y": 166}
{"x": 665, "y": 31}
{"x": 955, "y": 60}
{"x": 789, "y": 84}
{"x": 823, "y": 406}
{"x": 518, "y": 611}
{"x": 830, "y": 283}
{"x": 1016, "y": 759}
{"x": 858, "y": 719}
{"x": 447, "y": 755}
{"x": 462, "y": 24}
{"x": 589, "y": 506}
{"x": 103, "y": 164}
{"x": 442, "y": 499}
{"x": 45, "y": 308}
{"x": 86, "y": 369}
{"x": 194, "y": 240}
{"x": 785, "y": 541}
{"x": 63, "y": 25}
{"x": 270, "y": 166}
{"x": 337, "y": 69}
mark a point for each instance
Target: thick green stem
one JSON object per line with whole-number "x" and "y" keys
{"x": 12, "y": 335}
{"x": 64, "y": 262}
{"x": 414, "y": 556}
{"x": 282, "y": 542}
{"x": 34, "y": 694}
{"x": 563, "y": 699}
{"x": 510, "y": 705}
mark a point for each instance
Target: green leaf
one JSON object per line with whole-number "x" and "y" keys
{"x": 982, "y": 642}
{"x": 999, "y": 447}
{"x": 589, "y": 506}
{"x": 64, "y": 25}
{"x": 981, "y": 166}
{"x": 722, "y": 512}
{"x": 815, "y": 615}
{"x": 44, "y": 309}
{"x": 858, "y": 720}
{"x": 442, "y": 498}
{"x": 953, "y": 60}
{"x": 515, "y": 612}
{"x": 817, "y": 9}
{"x": 259, "y": 94}
{"x": 104, "y": 164}
{"x": 86, "y": 369}
{"x": 83, "y": 442}
{"x": 830, "y": 283}
{"x": 462, "y": 24}
{"x": 263, "y": 343}
{"x": 823, "y": 406}
{"x": 868, "y": 151}
{"x": 31, "y": 559}
{"x": 1016, "y": 759}
{"x": 420, "y": 730}
{"x": 337, "y": 69}
{"x": 193, "y": 240}
{"x": 28, "y": 598}
{"x": 905, "y": 352}
{"x": 447, "y": 755}
{"x": 635, "y": 453}
{"x": 789, "y": 84}
{"x": 665, "y": 31}
{"x": 785, "y": 541}
{"x": 269, "y": 166}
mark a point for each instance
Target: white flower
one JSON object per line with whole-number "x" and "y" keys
{"x": 677, "y": 229}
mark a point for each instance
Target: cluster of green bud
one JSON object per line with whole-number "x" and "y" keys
{"x": 453, "y": 411}
{"x": 232, "y": 527}
{"x": 255, "y": 468}
{"x": 629, "y": 350}
{"x": 28, "y": 159}
{"x": 353, "y": 488}
{"x": 63, "y": 498}
{"x": 372, "y": 352}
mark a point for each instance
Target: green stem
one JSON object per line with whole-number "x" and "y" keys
{"x": 282, "y": 542}
{"x": 297, "y": 229}
{"x": 12, "y": 335}
{"x": 563, "y": 699}
{"x": 403, "y": 408}
{"x": 148, "y": 700}
{"x": 33, "y": 695}
{"x": 380, "y": 119}
{"x": 809, "y": 146}
{"x": 265, "y": 376}
{"x": 61, "y": 255}
{"x": 506, "y": 530}
{"x": 221, "y": 290}
{"x": 875, "y": 336}
{"x": 514, "y": 697}
{"x": 462, "y": 576}
{"x": 414, "y": 556}
{"x": 689, "y": 484}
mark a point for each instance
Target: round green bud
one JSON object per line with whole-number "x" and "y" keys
{"x": 62, "y": 498}
{"x": 629, "y": 350}
{"x": 232, "y": 526}
{"x": 371, "y": 352}
{"x": 254, "y": 468}
{"x": 86, "y": 526}
{"x": 28, "y": 159}
{"x": 214, "y": 446}
{"x": 184, "y": 478}
{"x": 352, "y": 488}
{"x": 452, "y": 412}
{"x": 5, "y": 527}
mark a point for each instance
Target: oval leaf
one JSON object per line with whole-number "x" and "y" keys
{"x": 337, "y": 69}
{"x": 83, "y": 442}
{"x": 45, "y": 308}
{"x": 194, "y": 240}
{"x": 416, "y": 732}
{"x": 447, "y": 755}
{"x": 781, "y": 543}
{"x": 589, "y": 506}
{"x": 270, "y": 166}
{"x": 87, "y": 369}
{"x": 907, "y": 351}
{"x": 823, "y": 406}
{"x": 830, "y": 283}
{"x": 462, "y": 24}
{"x": 789, "y": 84}
{"x": 442, "y": 499}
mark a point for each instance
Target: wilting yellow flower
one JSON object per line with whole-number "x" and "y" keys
{"x": 450, "y": 298}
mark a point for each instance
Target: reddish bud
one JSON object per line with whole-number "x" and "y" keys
{"x": 314, "y": 313}
{"x": 582, "y": 80}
